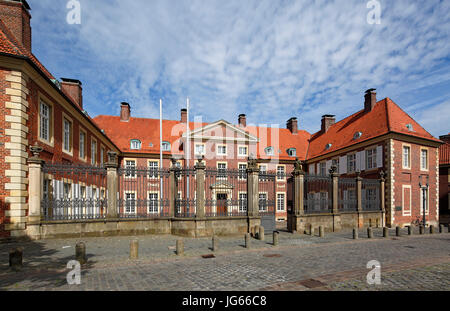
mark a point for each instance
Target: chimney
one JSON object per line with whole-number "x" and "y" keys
{"x": 242, "y": 120}
{"x": 15, "y": 15}
{"x": 292, "y": 125}
{"x": 125, "y": 112}
{"x": 370, "y": 100}
{"x": 183, "y": 115}
{"x": 73, "y": 89}
{"x": 327, "y": 121}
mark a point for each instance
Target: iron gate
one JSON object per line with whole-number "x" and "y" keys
{"x": 267, "y": 199}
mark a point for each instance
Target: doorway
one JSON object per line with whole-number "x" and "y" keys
{"x": 222, "y": 209}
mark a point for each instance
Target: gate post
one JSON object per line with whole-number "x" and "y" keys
{"x": 383, "y": 198}
{"x": 173, "y": 188}
{"x": 112, "y": 185}
{"x": 299, "y": 189}
{"x": 200, "y": 168}
{"x": 253, "y": 188}
{"x": 359, "y": 208}
{"x": 34, "y": 193}
{"x": 335, "y": 187}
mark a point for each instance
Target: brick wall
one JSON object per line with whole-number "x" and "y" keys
{"x": 17, "y": 19}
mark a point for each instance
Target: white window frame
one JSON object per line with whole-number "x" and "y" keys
{"x": 349, "y": 156}
{"x": 82, "y": 146}
{"x": 50, "y": 139}
{"x": 94, "y": 151}
{"x": 242, "y": 154}
{"x": 245, "y": 171}
{"x": 218, "y": 146}
{"x": 323, "y": 166}
{"x": 408, "y": 147}
{"x": 284, "y": 201}
{"x": 259, "y": 199}
{"x": 152, "y": 176}
{"x": 203, "y": 149}
{"x": 284, "y": 170}
{"x": 126, "y": 166}
{"x": 69, "y": 120}
{"x": 242, "y": 210}
{"x": 126, "y": 200}
{"x": 135, "y": 144}
{"x": 166, "y": 143}
{"x": 424, "y": 169}
{"x": 157, "y": 202}
{"x": 218, "y": 173}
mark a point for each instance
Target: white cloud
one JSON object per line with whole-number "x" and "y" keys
{"x": 268, "y": 59}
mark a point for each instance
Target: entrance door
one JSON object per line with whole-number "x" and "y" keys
{"x": 222, "y": 204}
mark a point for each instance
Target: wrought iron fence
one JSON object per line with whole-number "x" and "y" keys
{"x": 347, "y": 195}
{"x": 225, "y": 192}
{"x": 370, "y": 195}
{"x": 72, "y": 192}
{"x": 267, "y": 199}
{"x": 318, "y": 194}
{"x": 143, "y": 192}
{"x": 185, "y": 202}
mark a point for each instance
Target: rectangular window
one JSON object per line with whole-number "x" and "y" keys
{"x": 130, "y": 168}
{"x": 371, "y": 156}
{"x": 45, "y": 189}
{"x": 351, "y": 163}
{"x": 424, "y": 160}
{"x": 263, "y": 172}
{"x": 221, "y": 150}
{"x": 242, "y": 171}
{"x": 406, "y": 157}
{"x": 82, "y": 145}
{"x": 153, "y": 169}
{"x": 242, "y": 202}
{"x": 221, "y": 170}
{"x": 281, "y": 172}
{"x": 93, "y": 152}
{"x": 200, "y": 149}
{"x": 67, "y": 135}
{"x": 67, "y": 190}
{"x": 263, "y": 204}
{"x": 44, "y": 130}
{"x": 82, "y": 192}
{"x": 323, "y": 169}
{"x": 335, "y": 163}
{"x": 130, "y": 203}
{"x": 152, "y": 203}
{"x": 281, "y": 202}
{"x": 102, "y": 156}
{"x": 243, "y": 151}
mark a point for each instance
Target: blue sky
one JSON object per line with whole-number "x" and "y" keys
{"x": 271, "y": 60}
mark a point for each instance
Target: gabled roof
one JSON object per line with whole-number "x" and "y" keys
{"x": 385, "y": 117}
{"x": 199, "y": 132}
{"x": 444, "y": 151}
{"x": 147, "y": 131}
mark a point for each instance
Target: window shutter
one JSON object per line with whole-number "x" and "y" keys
{"x": 343, "y": 165}
{"x": 363, "y": 160}
{"x": 328, "y": 167}
{"x": 358, "y": 162}
{"x": 379, "y": 156}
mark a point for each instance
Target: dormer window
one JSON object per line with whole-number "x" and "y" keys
{"x": 165, "y": 146}
{"x": 292, "y": 152}
{"x": 410, "y": 127}
{"x": 357, "y": 135}
{"x": 269, "y": 151}
{"x": 328, "y": 146}
{"x": 136, "y": 144}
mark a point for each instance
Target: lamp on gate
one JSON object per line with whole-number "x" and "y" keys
{"x": 424, "y": 188}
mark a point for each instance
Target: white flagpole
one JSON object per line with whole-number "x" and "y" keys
{"x": 160, "y": 147}
{"x": 188, "y": 150}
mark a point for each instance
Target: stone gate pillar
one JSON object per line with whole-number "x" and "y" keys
{"x": 200, "y": 169}
{"x": 383, "y": 199}
{"x": 173, "y": 188}
{"x": 297, "y": 196}
{"x": 335, "y": 202}
{"x": 34, "y": 193}
{"x": 112, "y": 184}
{"x": 252, "y": 188}
{"x": 359, "y": 208}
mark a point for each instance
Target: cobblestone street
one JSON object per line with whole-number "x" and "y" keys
{"x": 300, "y": 262}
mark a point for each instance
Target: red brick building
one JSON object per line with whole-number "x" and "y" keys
{"x": 37, "y": 109}
{"x": 444, "y": 183}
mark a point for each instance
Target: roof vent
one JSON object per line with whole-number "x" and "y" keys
{"x": 328, "y": 146}
{"x": 357, "y": 135}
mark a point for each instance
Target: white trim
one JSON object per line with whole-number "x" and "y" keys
{"x": 217, "y": 150}
{"x": 428, "y": 159}
{"x": 158, "y": 202}
{"x": 200, "y": 130}
{"x": 276, "y": 203}
{"x": 409, "y": 156}
{"x": 405, "y": 212}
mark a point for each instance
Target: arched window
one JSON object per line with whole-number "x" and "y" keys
{"x": 136, "y": 144}
{"x": 165, "y": 146}
{"x": 269, "y": 151}
{"x": 292, "y": 152}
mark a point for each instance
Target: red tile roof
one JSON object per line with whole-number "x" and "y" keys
{"x": 147, "y": 131}
{"x": 384, "y": 118}
{"x": 444, "y": 151}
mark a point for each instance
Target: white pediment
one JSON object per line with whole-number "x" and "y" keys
{"x": 221, "y": 131}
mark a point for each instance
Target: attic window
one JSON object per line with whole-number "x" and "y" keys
{"x": 136, "y": 144}
{"x": 269, "y": 151}
{"x": 292, "y": 152}
{"x": 165, "y": 146}
{"x": 328, "y": 146}
{"x": 410, "y": 127}
{"x": 357, "y": 135}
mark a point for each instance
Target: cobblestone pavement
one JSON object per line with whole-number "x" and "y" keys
{"x": 335, "y": 262}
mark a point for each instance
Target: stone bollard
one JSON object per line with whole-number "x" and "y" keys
{"x": 80, "y": 253}
{"x": 369, "y": 233}
{"x": 385, "y": 232}
{"x": 441, "y": 228}
{"x": 256, "y": 236}
{"x": 16, "y": 259}
{"x": 215, "y": 243}
{"x": 312, "y": 231}
{"x": 355, "y": 234}
{"x": 321, "y": 231}
{"x": 410, "y": 230}
{"x": 421, "y": 229}
{"x": 275, "y": 238}
{"x": 397, "y": 231}
{"x": 180, "y": 247}
{"x": 247, "y": 240}
{"x": 431, "y": 229}
{"x": 134, "y": 249}
{"x": 261, "y": 233}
